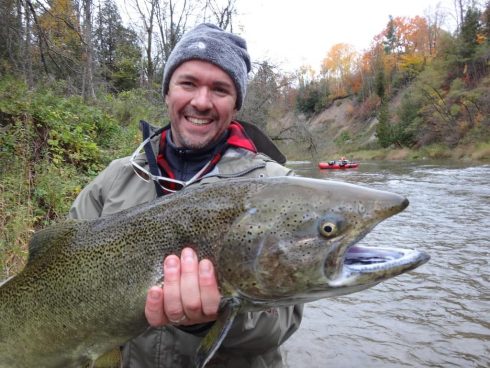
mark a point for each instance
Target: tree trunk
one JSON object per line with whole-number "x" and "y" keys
{"x": 27, "y": 48}
{"x": 88, "y": 78}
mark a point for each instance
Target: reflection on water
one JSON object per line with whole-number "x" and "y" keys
{"x": 435, "y": 316}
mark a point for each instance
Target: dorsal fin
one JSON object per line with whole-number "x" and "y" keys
{"x": 44, "y": 239}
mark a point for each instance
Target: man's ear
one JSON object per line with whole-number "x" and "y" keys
{"x": 166, "y": 99}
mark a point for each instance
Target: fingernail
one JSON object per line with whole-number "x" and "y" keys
{"x": 154, "y": 294}
{"x": 171, "y": 262}
{"x": 205, "y": 266}
{"x": 188, "y": 255}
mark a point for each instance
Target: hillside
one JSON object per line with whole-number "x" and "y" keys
{"x": 344, "y": 129}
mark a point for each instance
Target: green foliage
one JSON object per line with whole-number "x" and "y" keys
{"x": 50, "y": 147}
{"x": 129, "y": 107}
{"x": 117, "y": 49}
{"x": 409, "y": 118}
{"x": 397, "y": 134}
{"x": 383, "y": 129}
{"x": 469, "y": 31}
{"x": 313, "y": 97}
{"x": 73, "y": 131}
{"x": 379, "y": 83}
{"x": 390, "y": 41}
{"x": 343, "y": 138}
{"x": 125, "y": 72}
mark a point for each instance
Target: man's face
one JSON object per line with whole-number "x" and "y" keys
{"x": 201, "y": 102}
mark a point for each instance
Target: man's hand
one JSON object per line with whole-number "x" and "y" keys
{"x": 189, "y": 295}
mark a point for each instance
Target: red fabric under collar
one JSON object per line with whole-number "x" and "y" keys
{"x": 236, "y": 138}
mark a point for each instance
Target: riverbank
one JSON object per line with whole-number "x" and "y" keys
{"x": 479, "y": 152}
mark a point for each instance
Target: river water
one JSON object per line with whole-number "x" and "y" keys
{"x": 435, "y": 316}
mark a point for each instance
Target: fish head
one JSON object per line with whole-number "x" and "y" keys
{"x": 296, "y": 241}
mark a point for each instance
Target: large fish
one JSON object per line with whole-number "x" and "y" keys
{"x": 274, "y": 241}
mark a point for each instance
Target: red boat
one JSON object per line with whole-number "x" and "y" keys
{"x": 338, "y": 165}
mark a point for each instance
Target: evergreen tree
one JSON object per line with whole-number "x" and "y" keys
{"x": 390, "y": 42}
{"x": 383, "y": 129}
{"x": 469, "y": 33}
{"x": 117, "y": 50}
{"x": 10, "y": 33}
{"x": 379, "y": 83}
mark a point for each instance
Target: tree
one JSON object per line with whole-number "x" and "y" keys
{"x": 470, "y": 28}
{"x": 338, "y": 65}
{"x": 58, "y": 31}
{"x": 262, "y": 94}
{"x": 486, "y": 22}
{"x": 126, "y": 64}
{"x": 435, "y": 18}
{"x": 383, "y": 129}
{"x": 28, "y": 72}
{"x": 10, "y": 33}
{"x": 146, "y": 10}
{"x": 88, "y": 91}
{"x": 172, "y": 24}
{"x": 391, "y": 41}
{"x": 459, "y": 7}
{"x": 117, "y": 49}
{"x": 379, "y": 84}
{"x": 222, "y": 16}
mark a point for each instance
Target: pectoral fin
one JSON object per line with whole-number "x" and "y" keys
{"x": 213, "y": 339}
{"x": 111, "y": 359}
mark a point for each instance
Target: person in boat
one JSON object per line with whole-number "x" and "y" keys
{"x": 343, "y": 161}
{"x": 205, "y": 81}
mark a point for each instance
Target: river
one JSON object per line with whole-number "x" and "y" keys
{"x": 435, "y": 316}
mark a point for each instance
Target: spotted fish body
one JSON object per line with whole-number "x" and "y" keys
{"x": 273, "y": 241}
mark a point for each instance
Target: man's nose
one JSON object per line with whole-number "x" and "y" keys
{"x": 202, "y": 99}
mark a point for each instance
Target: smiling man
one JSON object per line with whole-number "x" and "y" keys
{"x": 205, "y": 82}
{"x": 201, "y": 101}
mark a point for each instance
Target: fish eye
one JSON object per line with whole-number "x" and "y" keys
{"x": 328, "y": 229}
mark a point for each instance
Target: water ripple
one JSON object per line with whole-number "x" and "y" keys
{"x": 435, "y": 316}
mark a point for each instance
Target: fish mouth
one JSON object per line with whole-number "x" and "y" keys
{"x": 358, "y": 266}
{"x": 362, "y": 258}
{"x": 370, "y": 265}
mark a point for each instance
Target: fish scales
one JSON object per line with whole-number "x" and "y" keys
{"x": 88, "y": 272}
{"x": 273, "y": 241}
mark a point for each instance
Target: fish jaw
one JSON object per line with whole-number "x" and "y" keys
{"x": 369, "y": 265}
{"x": 291, "y": 257}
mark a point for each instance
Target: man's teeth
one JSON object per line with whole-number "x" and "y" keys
{"x": 197, "y": 121}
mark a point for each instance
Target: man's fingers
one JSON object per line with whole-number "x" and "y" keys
{"x": 190, "y": 293}
{"x": 154, "y": 307}
{"x": 171, "y": 289}
{"x": 210, "y": 296}
{"x": 189, "y": 284}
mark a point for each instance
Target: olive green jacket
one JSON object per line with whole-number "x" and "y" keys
{"x": 254, "y": 338}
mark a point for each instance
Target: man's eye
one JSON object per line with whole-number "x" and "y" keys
{"x": 186, "y": 84}
{"x": 221, "y": 91}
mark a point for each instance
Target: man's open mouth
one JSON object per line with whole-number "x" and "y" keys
{"x": 198, "y": 121}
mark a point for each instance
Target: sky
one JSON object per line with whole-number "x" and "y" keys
{"x": 294, "y": 33}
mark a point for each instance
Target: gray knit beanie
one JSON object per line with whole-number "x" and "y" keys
{"x": 210, "y": 43}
